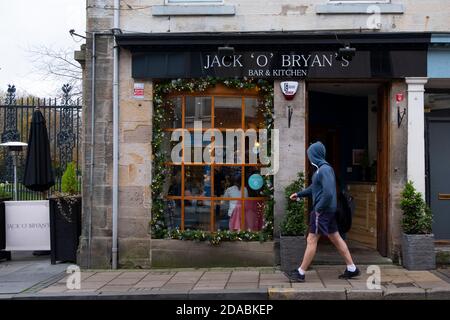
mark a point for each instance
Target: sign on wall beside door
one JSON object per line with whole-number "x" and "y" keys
{"x": 138, "y": 92}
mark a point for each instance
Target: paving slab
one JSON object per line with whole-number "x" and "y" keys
{"x": 115, "y": 288}
{"x": 149, "y": 284}
{"x": 242, "y": 285}
{"x": 409, "y": 293}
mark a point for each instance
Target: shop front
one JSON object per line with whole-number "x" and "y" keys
{"x": 279, "y": 92}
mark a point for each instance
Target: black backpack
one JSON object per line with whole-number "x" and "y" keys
{"x": 344, "y": 212}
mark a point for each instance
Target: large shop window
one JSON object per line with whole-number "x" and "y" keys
{"x": 213, "y": 195}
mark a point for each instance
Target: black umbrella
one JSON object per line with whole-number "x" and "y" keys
{"x": 38, "y": 175}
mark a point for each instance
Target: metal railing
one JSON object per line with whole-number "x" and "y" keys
{"x": 63, "y": 119}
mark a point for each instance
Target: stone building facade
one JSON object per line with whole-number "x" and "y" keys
{"x": 146, "y": 20}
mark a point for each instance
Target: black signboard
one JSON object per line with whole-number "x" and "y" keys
{"x": 280, "y": 65}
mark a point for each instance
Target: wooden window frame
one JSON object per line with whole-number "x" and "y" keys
{"x": 218, "y": 91}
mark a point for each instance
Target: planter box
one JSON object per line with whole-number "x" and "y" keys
{"x": 65, "y": 229}
{"x": 291, "y": 252}
{"x": 418, "y": 251}
{"x": 3, "y": 254}
{"x": 192, "y": 254}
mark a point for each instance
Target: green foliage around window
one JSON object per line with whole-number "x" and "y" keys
{"x": 417, "y": 216}
{"x": 293, "y": 223}
{"x": 69, "y": 182}
{"x": 215, "y": 238}
{"x": 162, "y": 108}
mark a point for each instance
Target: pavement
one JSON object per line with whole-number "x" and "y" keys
{"x": 38, "y": 279}
{"x": 26, "y": 271}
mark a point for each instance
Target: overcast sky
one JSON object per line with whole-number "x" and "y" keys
{"x": 29, "y": 23}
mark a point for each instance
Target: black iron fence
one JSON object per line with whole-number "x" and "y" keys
{"x": 63, "y": 117}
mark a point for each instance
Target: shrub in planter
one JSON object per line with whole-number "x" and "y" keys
{"x": 417, "y": 239}
{"x": 65, "y": 218}
{"x": 293, "y": 228}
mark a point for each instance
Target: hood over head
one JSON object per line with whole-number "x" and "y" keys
{"x": 316, "y": 154}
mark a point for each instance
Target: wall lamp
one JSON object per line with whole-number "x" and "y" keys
{"x": 225, "y": 51}
{"x": 346, "y": 53}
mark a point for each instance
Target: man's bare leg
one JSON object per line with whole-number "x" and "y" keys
{"x": 341, "y": 246}
{"x": 310, "y": 252}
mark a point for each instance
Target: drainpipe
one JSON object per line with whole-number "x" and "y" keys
{"x": 115, "y": 186}
{"x": 91, "y": 170}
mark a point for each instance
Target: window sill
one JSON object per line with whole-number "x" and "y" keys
{"x": 358, "y": 8}
{"x": 194, "y": 10}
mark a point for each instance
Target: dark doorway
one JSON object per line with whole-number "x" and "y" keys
{"x": 348, "y": 119}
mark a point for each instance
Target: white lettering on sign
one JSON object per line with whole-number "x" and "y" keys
{"x": 216, "y": 61}
{"x": 271, "y": 65}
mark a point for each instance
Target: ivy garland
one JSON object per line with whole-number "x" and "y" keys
{"x": 163, "y": 107}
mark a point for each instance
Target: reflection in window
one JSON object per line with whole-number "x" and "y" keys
{"x": 198, "y": 109}
{"x": 227, "y": 112}
{"x": 175, "y": 117}
{"x": 172, "y": 213}
{"x": 254, "y": 118}
{"x": 197, "y": 214}
{"x": 197, "y": 181}
{"x": 173, "y": 183}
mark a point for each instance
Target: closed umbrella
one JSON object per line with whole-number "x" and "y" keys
{"x": 38, "y": 175}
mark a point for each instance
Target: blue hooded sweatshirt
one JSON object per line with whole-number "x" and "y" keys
{"x": 323, "y": 186}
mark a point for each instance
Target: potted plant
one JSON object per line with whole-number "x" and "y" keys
{"x": 65, "y": 218}
{"x": 4, "y": 196}
{"x": 417, "y": 240}
{"x": 293, "y": 228}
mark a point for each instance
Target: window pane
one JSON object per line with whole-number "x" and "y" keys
{"x": 227, "y": 182}
{"x": 197, "y": 214}
{"x": 198, "y": 109}
{"x": 252, "y": 147}
{"x": 254, "y": 181}
{"x": 172, "y": 213}
{"x": 174, "y": 118}
{"x": 228, "y": 214}
{"x": 172, "y": 186}
{"x": 254, "y": 215}
{"x": 197, "y": 181}
{"x": 194, "y": 148}
{"x": 167, "y": 146}
{"x": 254, "y": 118}
{"x": 227, "y": 112}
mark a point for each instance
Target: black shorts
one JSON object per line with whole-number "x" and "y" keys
{"x": 323, "y": 223}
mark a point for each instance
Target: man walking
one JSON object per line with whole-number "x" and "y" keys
{"x": 323, "y": 216}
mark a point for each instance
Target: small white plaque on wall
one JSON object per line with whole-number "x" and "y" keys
{"x": 138, "y": 92}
